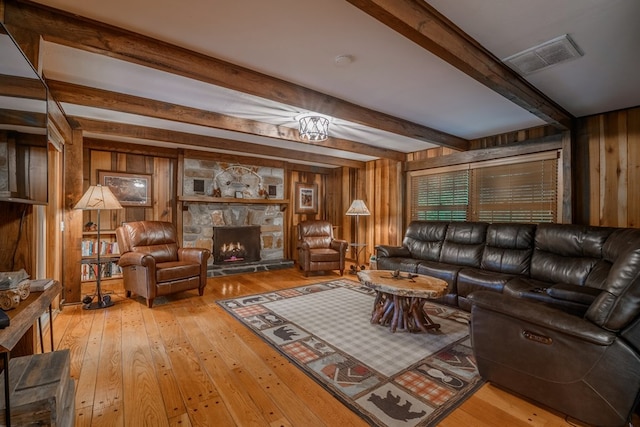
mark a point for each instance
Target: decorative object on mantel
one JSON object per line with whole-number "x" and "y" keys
{"x": 236, "y": 180}
{"x": 358, "y": 208}
{"x": 306, "y": 198}
{"x": 313, "y": 127}
{"x": 221, "y": 180}
{"x": 14, "y": 287}
{"x": 97, "y": 198}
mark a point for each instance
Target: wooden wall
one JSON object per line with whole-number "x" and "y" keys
{"x": 162, "y": 170}
{"x": 386, "y": 201}
{"x": 607, "y": 169}
{"x": 16, "y": 227}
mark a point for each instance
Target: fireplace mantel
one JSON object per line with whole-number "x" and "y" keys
{"x": 209, "y": 199}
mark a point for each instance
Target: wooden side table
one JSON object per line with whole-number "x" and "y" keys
{"x": 399, "y": 302}
{"x": 23, "y": 318}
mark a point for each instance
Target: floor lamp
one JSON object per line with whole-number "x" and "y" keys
{"x": 97, "y": 198}
{"x": 358, "y": 208}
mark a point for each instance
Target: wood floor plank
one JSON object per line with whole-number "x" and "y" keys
{"x": 256, "y": 359}
{"x": 192, "y": 364}
{"x": 109, "y": 380}
{"x": 193, "y": 383}
{"x": 243, "y": 364}
{"x": 86, "y": 382}
{"x": 143, "y": 386}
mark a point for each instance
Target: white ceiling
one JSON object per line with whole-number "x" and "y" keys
{"x": 298, "y": 41}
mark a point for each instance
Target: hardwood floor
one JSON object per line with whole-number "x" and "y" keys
{"x": 188, "y": 363}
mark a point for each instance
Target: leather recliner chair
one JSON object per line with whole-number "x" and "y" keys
{"x": 317, "y": 249}
{"x": 153, "y": 264}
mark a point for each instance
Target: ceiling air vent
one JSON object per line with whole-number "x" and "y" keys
{"x": 544, "y": 55}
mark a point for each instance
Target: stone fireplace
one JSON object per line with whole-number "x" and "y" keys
{"x": 236, "y": 244}
{"x": 219, "y": 197}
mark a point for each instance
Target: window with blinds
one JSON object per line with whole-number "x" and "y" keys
{"x": 442, "y": 196}
{"x": 520, "y": 189}
{"x": 523, "y": 192}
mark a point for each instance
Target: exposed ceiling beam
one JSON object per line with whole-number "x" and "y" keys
{"x": 69, "y": 30}
{"x": 22, "y": 87}
{"x": 23, "y": 118}
{"x": 91, "y": 97}
{"x": 425, "y": 26}
{"x": 124, "y": 130}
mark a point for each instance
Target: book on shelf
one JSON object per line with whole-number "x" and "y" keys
{"x": 90, "y": 248}
{"x": 109, "y": 269}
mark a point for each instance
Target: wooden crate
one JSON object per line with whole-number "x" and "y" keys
{"x": 42, "y": 390}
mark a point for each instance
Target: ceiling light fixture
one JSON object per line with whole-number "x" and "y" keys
{"x": 313, "y": 128}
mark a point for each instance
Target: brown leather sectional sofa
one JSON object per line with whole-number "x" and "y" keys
{"x": 555, "y": 308}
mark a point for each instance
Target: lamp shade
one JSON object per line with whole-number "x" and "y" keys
{"x": 358, "y": 207}
{"x": 98, "y": 197}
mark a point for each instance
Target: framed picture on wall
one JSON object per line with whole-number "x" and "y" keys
{"x": 306, "y": 198}
{"x": 131, "y": 189}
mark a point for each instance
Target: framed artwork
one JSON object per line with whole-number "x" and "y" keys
{"x": 131, "y": 189}
{"x": 306, "y": 198}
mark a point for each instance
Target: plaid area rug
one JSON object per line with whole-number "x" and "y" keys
{"x": 389, "y": 379}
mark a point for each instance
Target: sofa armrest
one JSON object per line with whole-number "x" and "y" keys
{"x": 136, "y": 258}
{"x": 541, "y": 315}
{"x": 392, "y": 251}
{"x": 574, "y": 293}
{"x": 195, "y": 255}
{"x": 303, "y": 245}
{"x": 338, "y": 245}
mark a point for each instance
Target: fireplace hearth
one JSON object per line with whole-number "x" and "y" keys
{"x": 236, "y": 244}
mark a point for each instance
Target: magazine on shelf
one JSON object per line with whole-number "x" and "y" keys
{"x": 39, "y": 285}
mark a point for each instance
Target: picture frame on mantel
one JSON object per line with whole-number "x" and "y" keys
{"x": 306, "y": 198}
{"x": 131, "y": 189}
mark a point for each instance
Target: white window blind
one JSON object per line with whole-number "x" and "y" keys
{"x": 518, "y": 189}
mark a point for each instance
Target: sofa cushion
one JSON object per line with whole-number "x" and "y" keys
{"x": 323, "y": 255}
{"x": 409, "y": 265}
{"x": 567, "y": 253}
{"x": 464, "y": 243}
{"x": 580, "y": 294}
{"x": 446, "y": 272}
{"x": 424, "y": 239}
{"x": 176, "y": 270}
{"x": 619, "y": 304}
{"x": 475, "y": 279}
{"x": 536, "y": 290}
{"x": 508, "y": 248}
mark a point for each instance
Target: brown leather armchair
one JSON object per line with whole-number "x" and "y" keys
{"x": 317, "y": 249}
{"x": 153, "y": 264}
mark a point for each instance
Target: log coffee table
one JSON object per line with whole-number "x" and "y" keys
{"x": 400, "y": 300}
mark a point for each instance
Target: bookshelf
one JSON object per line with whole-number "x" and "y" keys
{"x": 109, "y": 256}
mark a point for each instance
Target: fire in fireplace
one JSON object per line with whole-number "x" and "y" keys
{"x": 236, "y": 244}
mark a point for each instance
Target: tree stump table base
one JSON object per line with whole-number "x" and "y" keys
{"x": 401, "y": 313}
{"x": 399, "y": 302}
